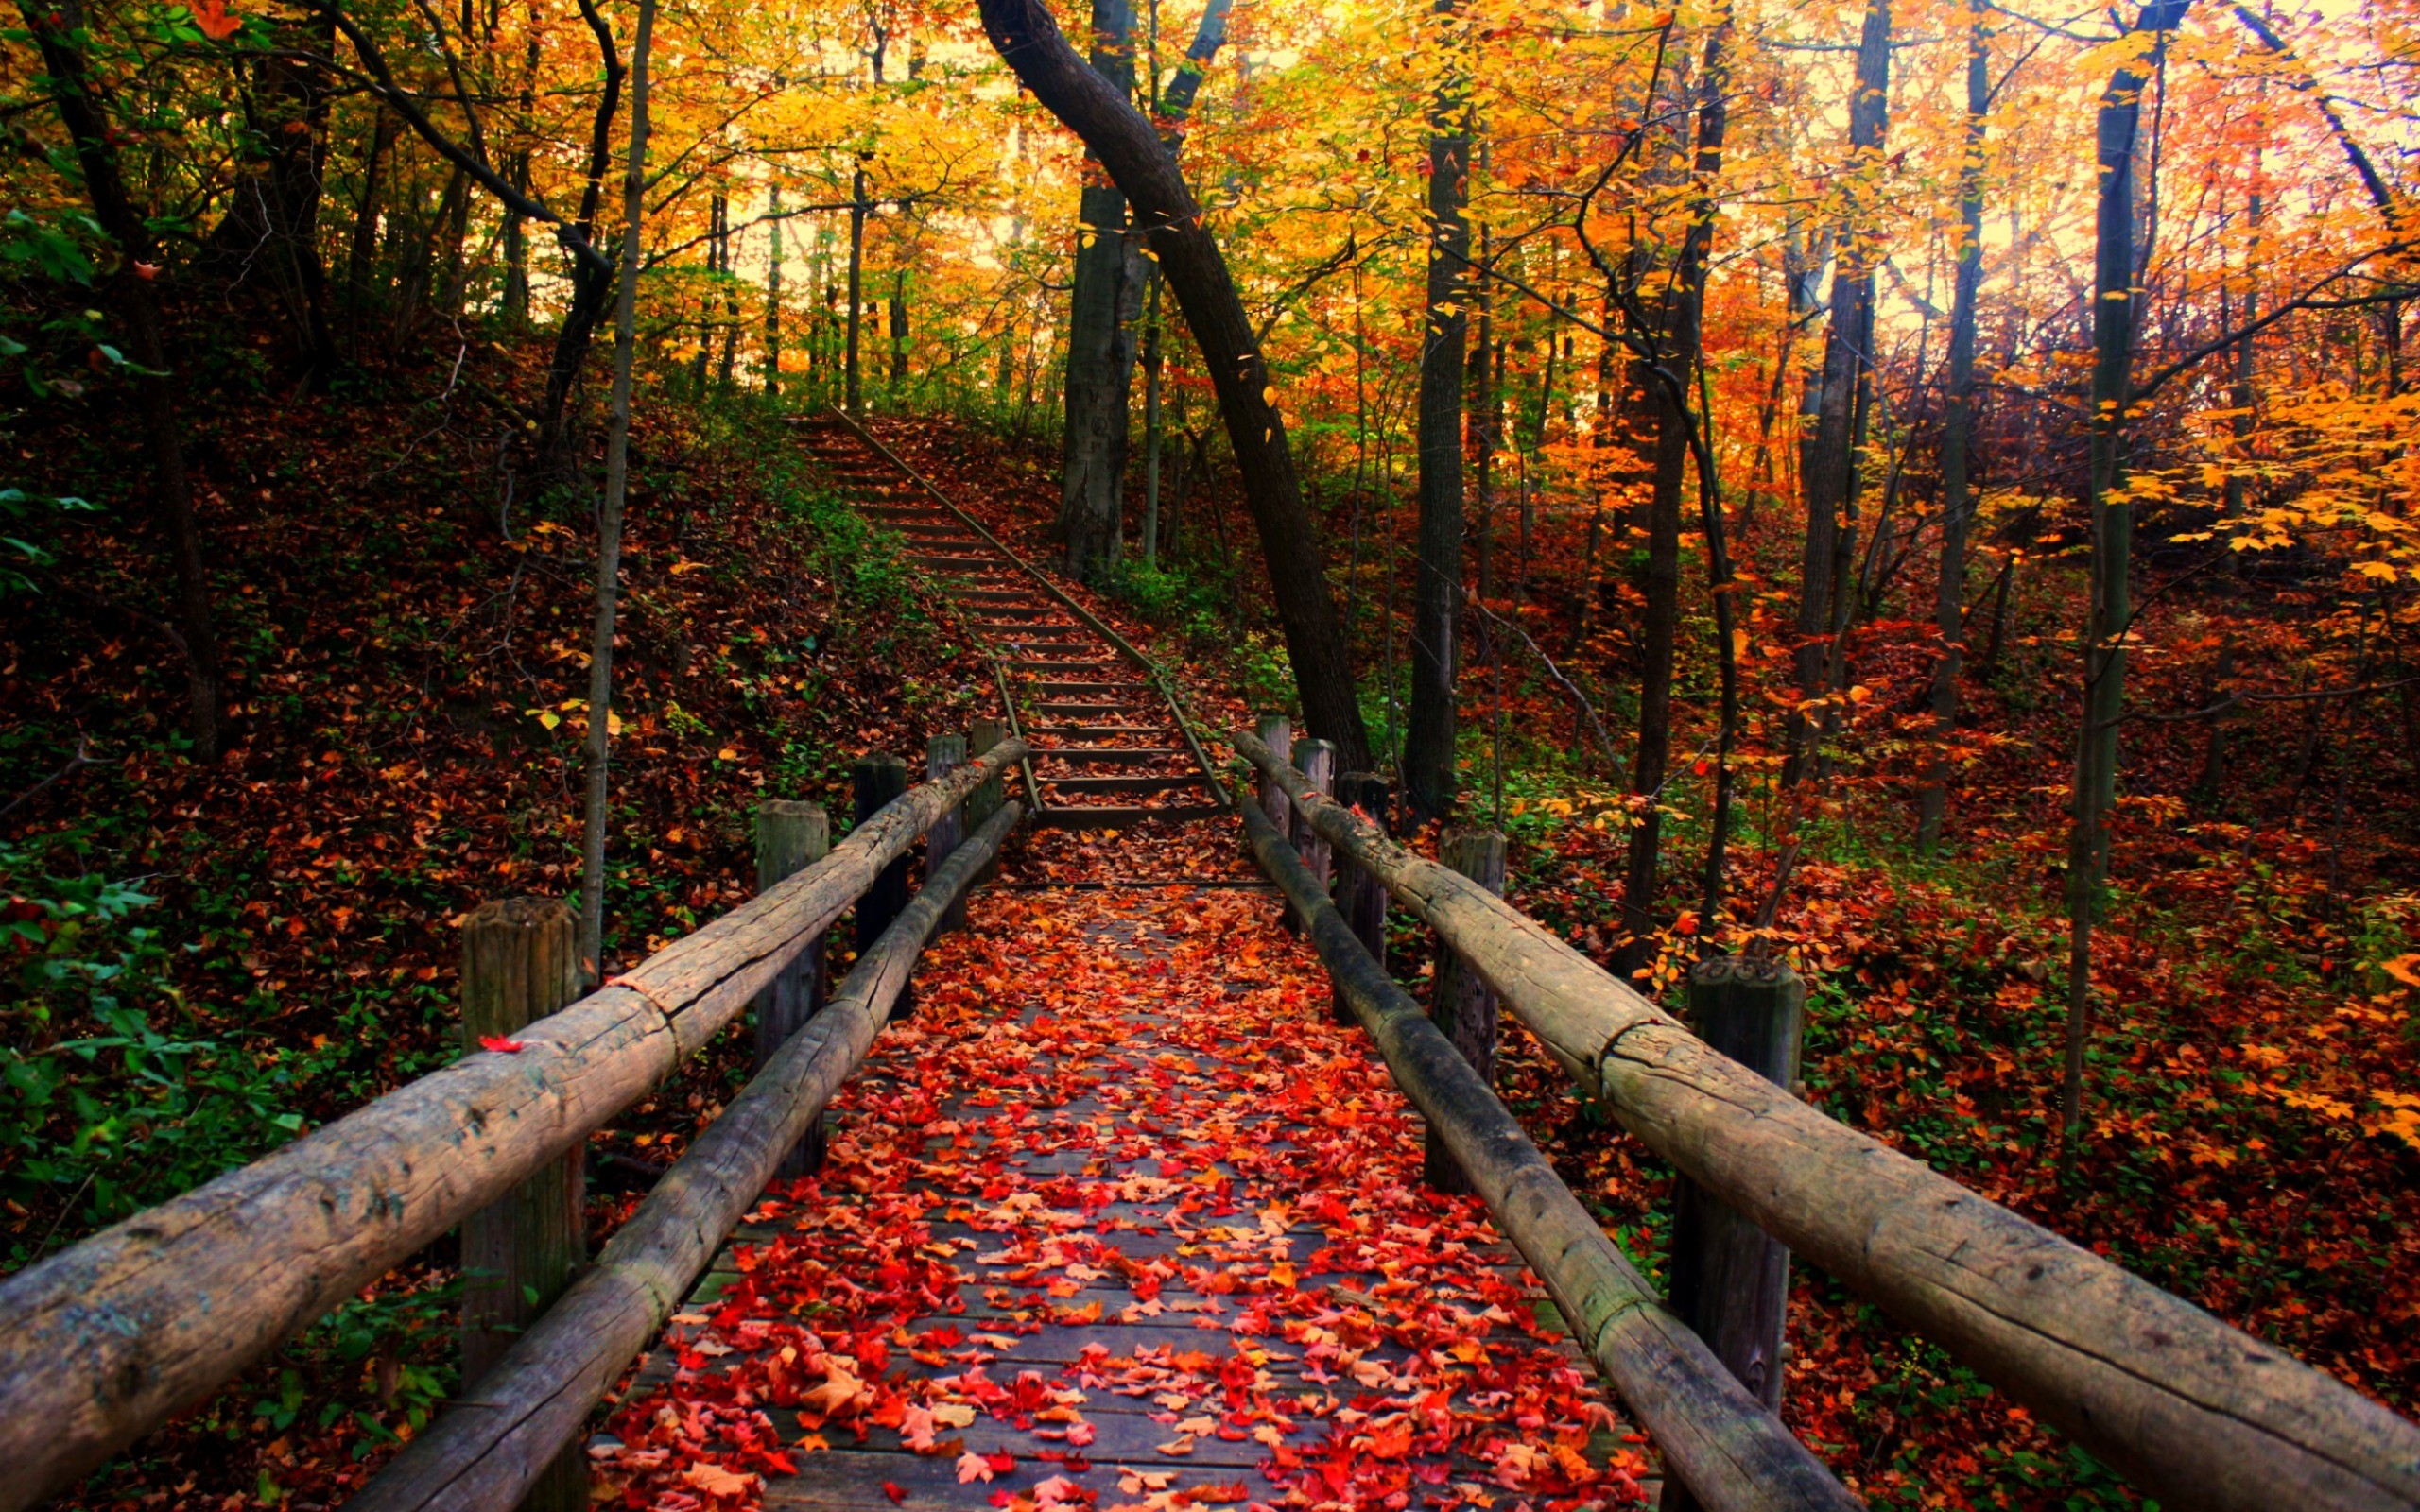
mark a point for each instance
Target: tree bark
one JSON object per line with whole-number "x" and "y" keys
{"x": 609, "y": 532}
{"x": 1431, "y": 780}
{"x": 591, "y": 286}
{"x": 83, "y": 110}
{"x": 1171, "y": 222}
{"x": 853, "y": 388}
{"x": 774, "y": 302}
{"x": 1675, "y": 428}
{"x": 1957, "y": 436}
{"x": 1093, "y": 488}
{"x": 1829, "y": 463}
{"x": 2114, "y": 315}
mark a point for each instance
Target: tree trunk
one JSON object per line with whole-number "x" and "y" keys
{"x": 1829, "y": 462}
{"x": 1152, "y": 365}
{"x": 2111, "y": 609}
{"x": 1091, "y": 497}
{"x": 1957, "y": 436}
{"x": 853, "y": 389}
{"x": 1029, "y": 41}
{"x": 609, "y": 531}
{"x": 898, "y": 335}
{"x": 773, "y": 302}
{"x": 361, "y": 261}
{"x": 517, "y": 233}
{"x": 590, "y": 285}
{"x": 83, "y": 109}
{"x": 1430, "y": 780}
{"x": 1675, "y": 428}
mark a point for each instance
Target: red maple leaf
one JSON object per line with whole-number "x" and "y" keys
{"x": 500, "y": 1044}
{"x": 212, "y": 17}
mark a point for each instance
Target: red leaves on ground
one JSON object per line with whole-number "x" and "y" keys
{"x": 1121, "y": 1217}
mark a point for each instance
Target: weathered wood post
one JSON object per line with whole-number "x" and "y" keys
{"x": 519, "y": 963}
{"x": 981, "y": 735}
{"x": 876, "y": 778}
{"x": 1316, "y": 761}
{"x": 791, "y": 835}
{"x": 1361, "y": 898}
{"x": 1730, "y": 1281}
{"x": 1276, "y": 731}
{"x": 1461, "y": 1006}
{"x": 944, "y": 754}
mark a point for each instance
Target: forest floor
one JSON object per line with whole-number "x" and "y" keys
{"x": 277, "y": 926}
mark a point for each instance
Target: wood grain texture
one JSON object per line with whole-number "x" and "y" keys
{"x": 1730, "y": 1449}
{"x": 105, "y": 1340}
{"x": 489, "y": 1446}
{"x": 2195, "y": 1412}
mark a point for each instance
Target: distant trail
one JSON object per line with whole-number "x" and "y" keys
{"x": 1108, "y": 749}
{"x": 1120, "y": 1219}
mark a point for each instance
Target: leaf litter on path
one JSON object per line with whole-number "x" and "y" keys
{"x": 1119, "y": 1219}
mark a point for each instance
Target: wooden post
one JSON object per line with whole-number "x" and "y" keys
{"x": 877, "y": 778}
{"x": 1276, "y": 731}
{"x": 1316, "y": 761}
{"x": 944, "y": 754}
{"x": 1463, "y": 1007}
{"x": 519, "y": 963}
{"x": 1730, "y": 1281}
{"x": 1361, "y": 898}
{"x": 981, "y": 735}
{"x": 790, "y": 835}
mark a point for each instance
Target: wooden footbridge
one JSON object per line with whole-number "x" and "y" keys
{"x": 1137, "y": 1199}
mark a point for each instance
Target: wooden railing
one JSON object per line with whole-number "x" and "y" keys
{"x": 2194, "y": 1411}
{"x": 104, "y": 1341}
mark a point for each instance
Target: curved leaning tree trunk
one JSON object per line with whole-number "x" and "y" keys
{"x": 1170, "y": 223}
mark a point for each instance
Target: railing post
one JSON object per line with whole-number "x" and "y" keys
{"x": 791, "y": 835}
{"x": 1360, "y": 896}
{"x": 876, "y": 778}
{"x": 519, "y": 963}
{"x": 1463, "y": 1007}
{"x": 944, "y": 754}
{"x": 981, "y": 735}
{"x": 1276, "y": 731}
{"x": 1316, "y": 761}
{"x": 1730, "y": 1281}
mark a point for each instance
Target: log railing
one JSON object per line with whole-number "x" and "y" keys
{"x": 1724, "y": 1443}
{"x": 104, "y": 1341}
{"x": 492, "y": 1442}
{"x": 2195, "y": 1412}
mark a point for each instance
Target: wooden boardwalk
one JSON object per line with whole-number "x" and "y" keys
{"x": 1121, "y": 1218}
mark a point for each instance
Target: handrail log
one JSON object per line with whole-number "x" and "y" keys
{"x": 102, "y": 1342}
{"x": 2198, "y": 1412}
{"x": 491, "y": 1443}
{"x": 1721, "y": 1442}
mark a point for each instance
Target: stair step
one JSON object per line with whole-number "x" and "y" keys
{"x": 1104, "y": 817}
{"x": 1042, "y": 664}
{"x": 1052, "y": 687}
{"x": 1109, "y": 755}
{"x": 1123, "y": 783}
{"x": 1090, "y": 731}
{"x": 1058, "y": 707}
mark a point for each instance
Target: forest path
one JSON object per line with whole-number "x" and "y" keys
{"x": 1108, "y": 749}
{"x": 1119, "y": 1218}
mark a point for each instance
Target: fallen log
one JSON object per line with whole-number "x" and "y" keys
{"x": 2195, "y": 1412}
{"x": 491, "y": 1443}
{"x": 1726, "y": 1446}
{"x": 103, "y": 1341}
